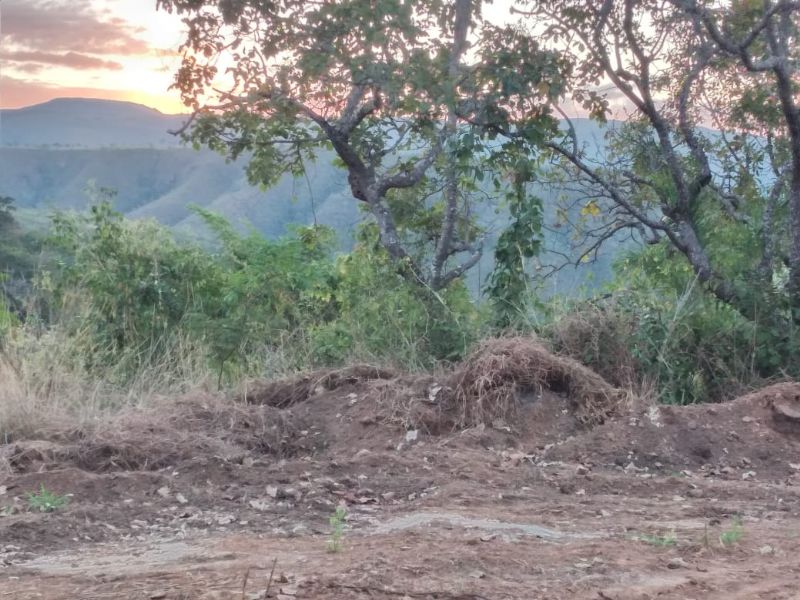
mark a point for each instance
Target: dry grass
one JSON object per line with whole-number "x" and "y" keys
{"x": 486, "y": 386}
{"x": 183, "y": 429}
{"x": 285, "y": 392}
{"x": 599, "y": 337}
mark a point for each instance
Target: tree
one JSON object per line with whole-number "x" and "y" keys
{"x": 665, "y": 176}
{"x": 763, "y": 40}
{"x": 418, "y": 100}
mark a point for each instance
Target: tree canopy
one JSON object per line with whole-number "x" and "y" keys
{"x": 421, "y": 102}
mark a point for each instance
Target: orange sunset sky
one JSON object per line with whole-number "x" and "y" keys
{"x": 114, "y": 49}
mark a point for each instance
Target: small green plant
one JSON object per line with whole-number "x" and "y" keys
{"x": 337, "y": 520}
{"x": 662, "y": 541}
{"x": 733, "y": 534}
{"x": 46, "y": 501}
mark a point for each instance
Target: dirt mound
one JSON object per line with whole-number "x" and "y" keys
{"x": 513, "y": 388}
{"x": 286, "y": 392}
{"x": 186, "y": 429}
{"x": 489, "y": 384}
{"x": 756, "y": 435}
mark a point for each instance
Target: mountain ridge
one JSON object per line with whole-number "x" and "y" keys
{"x": 55, "y": 149}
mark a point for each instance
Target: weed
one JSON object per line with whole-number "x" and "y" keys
{"x": 337, "y": 520}
{"x": 733, "y": 534}
{"x": 46, "y": 501}
{"x": 662, "y": 541}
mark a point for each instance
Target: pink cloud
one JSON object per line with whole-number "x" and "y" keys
{"x": 67, "y": 26}
{"x": 73, "y": 60}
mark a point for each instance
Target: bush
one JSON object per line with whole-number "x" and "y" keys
{"x": 657, "y": 325}
{"x": 131, "y": 298}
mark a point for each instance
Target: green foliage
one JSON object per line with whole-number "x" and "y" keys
{"x": 660, "y": 540}
{"x": 125, "y": 287}
{"x": 337, "y": 521}
{"x": 18, "y": 247}
{"x": 414, "y": 117}
{"x": 46, "y": 501}
{"x": 127, "y": 292}
{"x": 733, "y": 534}
{"x": 658, "y": 324}
{"x": 509, "y": 282}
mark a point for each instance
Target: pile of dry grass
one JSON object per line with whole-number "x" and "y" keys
{"x": 486, "y": 387}
{"x": 287, "y": 392}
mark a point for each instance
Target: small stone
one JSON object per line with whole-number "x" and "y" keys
{"x": 181, "y": 499}
{"x": 411, "y": 435}
{"x": 567, "y": 488}
{"x": 164, "y": 491}
{"x": 477, "y": 574}
{"x": 361, "y": 453}
{"x": 581, "y": 470}
{"x": 272, "y": 491}
{"x": 260, "y": 505}
{"x": 747, "y": 419}
{"x": 677, "y": 563}
{"x": 765, "y": 550}
{"x": 748, "y": 475}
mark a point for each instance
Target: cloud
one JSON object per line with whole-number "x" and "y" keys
{"x": 64, "y": 26}
{"x": 73, "y": 60}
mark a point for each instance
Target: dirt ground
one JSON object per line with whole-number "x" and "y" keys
{"x": 224, "y": 498}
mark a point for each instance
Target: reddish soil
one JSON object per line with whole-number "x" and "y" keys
{"x": 203, "y": 500}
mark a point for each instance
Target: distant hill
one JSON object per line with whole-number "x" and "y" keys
{"x": 88, "y": 123}
{"x": 50, "y": 152}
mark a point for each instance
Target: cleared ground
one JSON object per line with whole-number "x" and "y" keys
{"x": 231, "y": 498}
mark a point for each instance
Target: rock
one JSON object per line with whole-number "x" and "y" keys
{"x": 748, "y": 475}
{"x": 747, "y": 419}
{"x": 164, "y": 491}
{"x": 361, "y": 453}
{"x": 260, "y": 505}
{"x": 581, "y": 470}
{"x": 677, "y": 563}
{"x": 567, "y": 487}
{"x": 790, "y": 413}
{"x": 157, "y": 595}
{"x": 181, "y": 499}
{"x": 272, "y": 491}
{"x": 765, "y": 550}
{"x": 412, "y": 435}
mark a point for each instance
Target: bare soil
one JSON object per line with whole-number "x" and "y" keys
{"x": 219, "y": 498}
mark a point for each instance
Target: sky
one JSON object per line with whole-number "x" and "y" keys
{"x": 114, "y": 49}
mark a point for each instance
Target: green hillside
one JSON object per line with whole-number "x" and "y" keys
{"x": 162, "y": 182}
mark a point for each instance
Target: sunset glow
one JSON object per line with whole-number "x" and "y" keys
{"x": 114, "y": 49}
